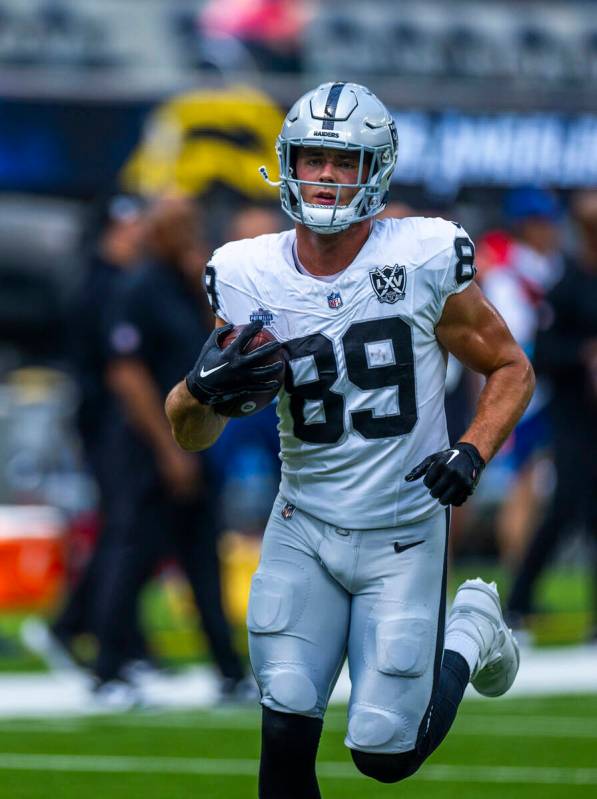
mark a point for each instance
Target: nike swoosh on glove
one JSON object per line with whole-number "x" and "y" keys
{"x": 452, "y": 474}
{"x": 224, "y": 374}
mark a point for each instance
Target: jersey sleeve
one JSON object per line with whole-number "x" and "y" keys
{"x": 230, "y": 284}
{"x": 453, "y": 266}
{"x": 212, "y": 288}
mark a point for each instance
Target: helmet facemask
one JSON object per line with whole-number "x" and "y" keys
{"x": 369, "y": 199}
{"x": 345, "y": 117}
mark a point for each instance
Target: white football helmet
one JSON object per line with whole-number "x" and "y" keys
{"x": 343, "y": 116}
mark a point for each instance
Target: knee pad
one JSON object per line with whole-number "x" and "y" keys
{"x": 404, "y": 645}
{"x": 387, "y": 768}
{"x": 289, "y": 689}
{"x": 372, "y": 726}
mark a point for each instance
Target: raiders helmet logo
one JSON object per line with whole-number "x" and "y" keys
{"x": 389, "y": 283}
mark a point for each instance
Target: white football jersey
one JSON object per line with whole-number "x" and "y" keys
{"x": 364, "y": 395}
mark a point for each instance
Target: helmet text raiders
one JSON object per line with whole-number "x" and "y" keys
{"x": 343, "y": 116}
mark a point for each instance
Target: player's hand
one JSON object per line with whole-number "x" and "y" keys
{"x": 221, "y": 375}
{"x": 452, "y": 474}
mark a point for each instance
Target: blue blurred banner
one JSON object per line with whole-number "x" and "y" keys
{"x": 73, "y": 148}
{"x": 448, "y": 150}
{"x": 77, "y": 148}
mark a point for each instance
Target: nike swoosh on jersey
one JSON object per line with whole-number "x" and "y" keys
{"x": 398, "y": 547}
{"x": 204, "y": 373}
{"x": 455, "y": 454}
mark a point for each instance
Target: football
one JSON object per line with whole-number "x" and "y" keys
{"x": 254, "y": 402}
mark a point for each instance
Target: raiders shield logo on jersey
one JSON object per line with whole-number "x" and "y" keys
{"x": 389, "y": 282}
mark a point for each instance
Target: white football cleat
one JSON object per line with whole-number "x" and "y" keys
{"x": 477, "y": 613}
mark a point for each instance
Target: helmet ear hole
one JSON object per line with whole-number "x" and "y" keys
{"x": 292, "y": 157}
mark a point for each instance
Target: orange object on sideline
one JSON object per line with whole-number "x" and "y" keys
{"x": 32, "y": 558}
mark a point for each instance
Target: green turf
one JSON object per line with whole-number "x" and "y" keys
{"x": 519, "y": 749}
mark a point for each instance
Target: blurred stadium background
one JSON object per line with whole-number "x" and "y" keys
{"x": 111, "y": 100}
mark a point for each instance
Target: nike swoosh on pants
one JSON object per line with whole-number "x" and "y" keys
{"x": 398, "y": 547}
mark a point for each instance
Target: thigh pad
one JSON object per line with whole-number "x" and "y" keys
{"x": 276, "y": 601}
{"x": 403, "y": 645}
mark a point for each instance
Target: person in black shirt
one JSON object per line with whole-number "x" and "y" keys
{"x": 161, "y": 321}
{"x": 566, "y": 352}
{"x": 116, "y": 238}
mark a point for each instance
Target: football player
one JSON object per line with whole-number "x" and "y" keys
{"x": 354, "y": 555}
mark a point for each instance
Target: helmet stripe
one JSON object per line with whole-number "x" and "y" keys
{"x": 330, "y": 106}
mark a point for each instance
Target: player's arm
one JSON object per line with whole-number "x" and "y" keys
{"x": 194, "y": 426}
{"x": 474, "y": 332}
{"x": 217, "y": 376}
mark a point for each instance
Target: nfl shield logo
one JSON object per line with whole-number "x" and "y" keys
{"x": 335, "y": 300}
{"x": 389, "y": 283}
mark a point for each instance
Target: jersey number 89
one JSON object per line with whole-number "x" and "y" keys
{"x": 399, "y": 374}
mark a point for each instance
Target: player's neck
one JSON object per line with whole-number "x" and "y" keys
{"x": 328, "y": 254}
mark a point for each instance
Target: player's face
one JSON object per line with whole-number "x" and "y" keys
{"x": 326, "y": 165}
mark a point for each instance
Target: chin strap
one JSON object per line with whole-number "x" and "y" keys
{"x": 263, "y": 172}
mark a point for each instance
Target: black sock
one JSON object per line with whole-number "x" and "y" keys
{"x": 454, "y": 677}
{"x": 288, "y": 750}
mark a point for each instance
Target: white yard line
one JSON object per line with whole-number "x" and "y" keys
{"x": 331, "y": 770}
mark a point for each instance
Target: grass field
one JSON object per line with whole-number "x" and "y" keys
{"x": 519, "y": 749}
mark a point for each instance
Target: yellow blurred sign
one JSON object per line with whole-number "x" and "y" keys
{"x": 200, "y": 138}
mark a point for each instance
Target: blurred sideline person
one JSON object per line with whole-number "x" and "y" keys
{"x": 566, "y": 353}
{"x": 117, "y": 240}
{"x": 172, "y": 505}
{"x": 532, "y": 264}
{"x": 354, "y": 555}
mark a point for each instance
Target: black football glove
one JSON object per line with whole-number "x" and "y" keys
{"x": 451, "y": 475}
{"x": 221, "y": 375}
